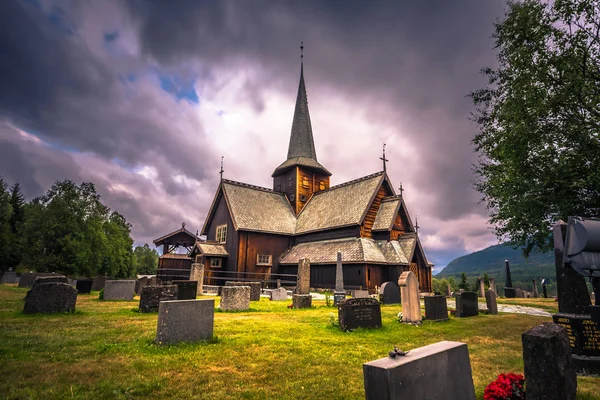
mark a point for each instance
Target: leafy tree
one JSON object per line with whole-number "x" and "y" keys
{"x": 5, "y": 232}
{"x": 464, "y": 284}
{"x": 486, "y": 281}
{"x": 453, "y": 284}
{"x": 17, "y": 217}
{"x": 146, "y": 260}
{"x": 539, "y": 120}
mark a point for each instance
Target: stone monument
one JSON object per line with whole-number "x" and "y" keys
{"x": 491, "y": 303}
{"x": 84, "y": 286}
{"x": 467, "y": 305}
{"x": 481, "y": 286}
{"x": 186, "y": 290}
{"x": 278, "y": 294}
{"x": 255, "y": 288}
{"x": 185, "y": 321}
{"x": 340, "y": 293}
{"x": 409, "y": 293}
{"x": 359, "y": 313}
{"x": 493, "y": 284}
{"x": 151, "y": 297}
{"x": 303, "y": 279}
{"x": 509, "y": 291}
{"x": 197, "y": 274}
{"x": 119, "y": 290}
{"x": 48, "y": 298}
{"x": 536, "y": 294}
{"x": 235, "y": 298}
{"x": 390, "y": 293}
{"x": 436, "y": 308}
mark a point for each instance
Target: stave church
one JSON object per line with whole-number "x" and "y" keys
{"x": 254, "y": 231}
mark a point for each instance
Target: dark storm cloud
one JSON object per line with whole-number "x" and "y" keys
{"x": 53, "y": 86}
{"x": 409, "y": 63}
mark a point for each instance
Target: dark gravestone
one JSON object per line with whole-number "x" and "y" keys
{"x": 254, "y": 288}
{"x": 9, "y": 277}
{"x": 186, "y": 290}
{"x": 301, "y": 301}
{"x": 140, "y": 283}
{"x": 584, "y": 339}
{"x": 361, "y": 312}
{"x": 390, "y": 293}
{"x": 436, "y": 308}
{"x": 466, "y": 305}
{"x": 99, "y": 283}
{"x": 338, "y": 297}
{"x": 152, "y": 296}
{"x": 510, "y": 293}
{"x": 40, "y": 280}
{"x": 50, "y": 298}
{"x": 549, "y": 371}
{"x": 84, "y": 286}
{"x": 28, "y": 278}
{"x": 490, "y": 301}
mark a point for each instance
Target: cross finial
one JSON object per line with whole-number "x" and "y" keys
{"x": 221, "y": 171}
{"x": 383, "y": 159}
{"x": 183, "y": 225}
{"x": 301, "y": 51}
{"x": 401, "y": 189}
{"x": 197, "y": 233}
{"x": 417, "y": 223}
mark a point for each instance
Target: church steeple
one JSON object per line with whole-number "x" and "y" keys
{"x": 301, "y": 140}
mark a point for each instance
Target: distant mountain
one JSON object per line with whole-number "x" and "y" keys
{"x": 491, "y": 261}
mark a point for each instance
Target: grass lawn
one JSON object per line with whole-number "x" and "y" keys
{"x": 106, "y": 351}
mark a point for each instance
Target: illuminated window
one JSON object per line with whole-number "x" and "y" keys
{"x": 221, "y": 236}
{"x": 305, "y": 183}
{"x": 322, "y": 185}
{"x": 215, "y": 262}
{"x": 263, "y": 259}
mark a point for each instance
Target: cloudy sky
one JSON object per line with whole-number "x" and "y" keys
{"x": 144, "y": 97}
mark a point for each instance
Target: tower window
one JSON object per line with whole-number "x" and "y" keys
{"x": 305, "y": 183}
{"x": 221, "y": 235}
{"x": 263, "y": 259}
{"x": 322, "y": 185}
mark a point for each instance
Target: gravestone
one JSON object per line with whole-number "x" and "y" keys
{"x": 40, "y": 280}
{"x": 360, "y": 293}
{"x": 448, "y": 291}
{"x": 186, "y": 290}
{"x": 278, "y": 283}
{"x": 185, "y": 321}
{"x": 519, "y": 293}
{"x": 440, "y": 371}
{"x": 119, "y": 290}
{"x": 490, "y": 301}
{"x": 28, "y": 278}
{"x": 535, "y": 289}
{"x": 84, "y": 286}
{"x": 99, "y": 283}
{"x": 481, "y": 287}
{"x": 9, "y": 277}
{"x": 197, "y": 274}
{"x": 140, "y": 283}
{"x": 390, "y": 293}
{"x": 509, "y": 291}
{"x": 255, "y": 288}
{"x": 340, "y": 293}
{"x": 466, "y": 305}
{"x": 303, "y": 280}
{"x": 151, "y": 296}
{"x": 493, "y": 284}
{"x": 50, "y": 298}
{"x": 359, "y": 313}
{"x": 436, "y": 308}
{"x": 235, "y": 298}
{"x": 278, "y": 294}
{"x": 301, "y": 301}
{"x": 549, "y": 370}
{"x": 409, "y": 293}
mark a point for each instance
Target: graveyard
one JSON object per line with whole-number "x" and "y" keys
{"x": 106, "y": 349}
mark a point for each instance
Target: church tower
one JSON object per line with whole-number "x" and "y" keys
{"x": 301, "y": 174}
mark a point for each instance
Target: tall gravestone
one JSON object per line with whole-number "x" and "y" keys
{"x": 493, "y": 284}
{"x": 481, "y": 284}
{"x": 197, "y": 274}
{"x": 390, "y": 293}
{"x": 303, "y": 279}
{"x": 549, "y": 370}
{"x": 467, "y": 305}
{"x": 436, "y": 308}
{"x": 491, "y": 303}
{"x": 448, "y": 291}
{"x": 535, "y": 289}
{"x": 339, "y": 293}
{"x": 509, "y": 291}
{"x": 440, "y": 371}
{"x": 409, "y": 293}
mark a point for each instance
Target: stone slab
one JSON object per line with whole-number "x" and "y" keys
{"x": 186, "y": 290}
{"x": 99, "y": 283}
{"x": 50, "y": 298}
{"x": 303, "y": 277}
{"x": 490, "y": 301}
{"x": 151, "y": 296}
{"x": 279, "y": 294}
{"x": 301, "y": 301}
{"x": 467, "y": 305}
{"x": 360, "y": 293}
{"x": 119, "y": 290}
{"x": 510, "y": 293}
{"x": 185, "y": 321}
{"x": 439, "y": 371}
{"x": 235, "y": 298}
{"x": 436, "y": 308}
{"x": 40, "y": 280}
{"x": 549, "y": 370}
{"x": 84, "y": 286}
{"x": 359, "y": 313}
{"x": 390, "y": 293}
{"x": 28, "y": 278}
{"x": 255, "y": 288}
{"x": 9, "y": 277}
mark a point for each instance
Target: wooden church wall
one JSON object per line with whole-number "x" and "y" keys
{"x": 221, "y": 216}
{"x": 367, "y": 225}
{"x": 253, "y": 243}
{"x": 313, "y": 186}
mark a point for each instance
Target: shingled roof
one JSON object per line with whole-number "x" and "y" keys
{"x": 339, "y": 206}
{"x": 387, "y": 214}
{"x": 211, "y": 249}
{"x": 258, "y": 209}
{"x": 354, "y": 250}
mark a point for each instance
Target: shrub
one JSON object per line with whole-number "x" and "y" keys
{"x": 506, "y": 387}
{"x": 101, "y": 295}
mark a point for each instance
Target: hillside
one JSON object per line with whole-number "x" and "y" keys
{"x": 491, "y": 261}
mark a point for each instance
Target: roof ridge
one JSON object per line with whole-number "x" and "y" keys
{"x": 357, "y": 180}
{"x": 236, "y": 183}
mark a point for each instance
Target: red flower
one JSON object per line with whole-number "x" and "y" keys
{"x": 505, "y": 387}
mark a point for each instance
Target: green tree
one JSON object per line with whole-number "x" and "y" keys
{"x": 17, "y": 218}
{"x": 146, "y": 260}
{"x": 464, "y": 284}
{"x": 539, "y": 120}
{"x": 486, "y": 281}
{"x": 5, "y": 232}
{"x": 453, "y": 284}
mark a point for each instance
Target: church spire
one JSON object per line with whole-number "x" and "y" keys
{"x": 301, "y": 139}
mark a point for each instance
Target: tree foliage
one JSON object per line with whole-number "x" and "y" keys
{"x": 146, "y": 260}
{"x": 539, "y": 120}
{"x": 5, "y": 231}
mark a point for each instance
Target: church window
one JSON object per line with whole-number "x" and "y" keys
{"x": 305, "y": 183}
{"x": 263, "y": 259}
{"x": 322, "y": 185}
{"x": 221, "y": 236}
{"x": 215, "y": 263}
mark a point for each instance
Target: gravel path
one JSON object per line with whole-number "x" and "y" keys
{"x": 509, "y": 308}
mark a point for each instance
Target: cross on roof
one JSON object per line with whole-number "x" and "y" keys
{"x": 401, "y": 189}
{"x": 221, "y": 171}
{"x": 383, "y": 158}
{"x": 417, "y": 224}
